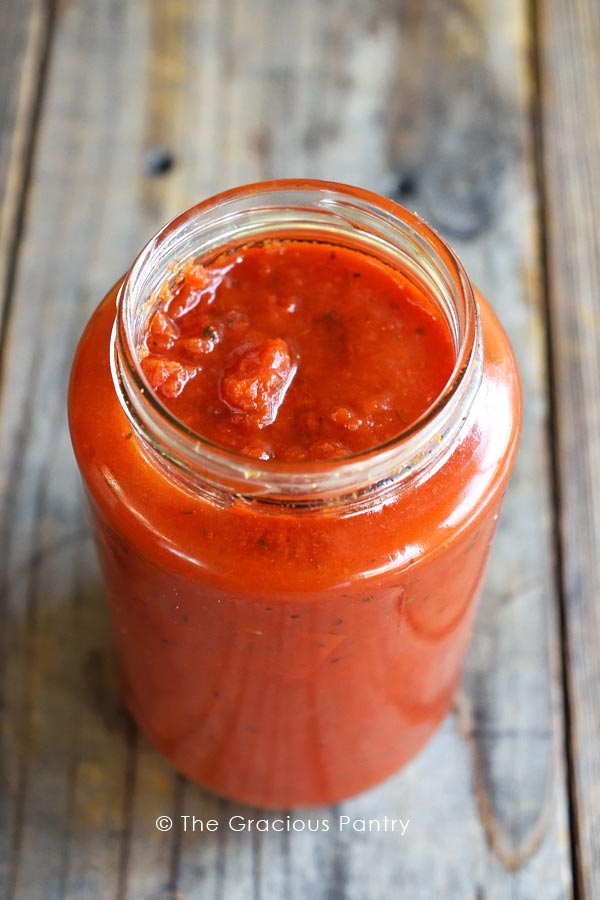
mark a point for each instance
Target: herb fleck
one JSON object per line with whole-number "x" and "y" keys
{"x": 329, "y": 315}
{"x": 473, "y": 542}
{"x": 209, "y": 332}
{"x": 262, "y": 543}
{"x": 337, "y": 621}
{"x": 367, "y": 599}
{"x": 129, "y": 435}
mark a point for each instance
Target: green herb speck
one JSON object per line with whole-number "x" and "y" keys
{"x": 473, "y": 542}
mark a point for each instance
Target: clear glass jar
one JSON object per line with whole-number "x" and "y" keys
{"x": 291, "y": 633}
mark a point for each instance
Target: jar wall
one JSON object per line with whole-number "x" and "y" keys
{"x": 260, "y": 669}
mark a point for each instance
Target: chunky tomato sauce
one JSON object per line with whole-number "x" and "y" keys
{"x": 276, "y": 656}
{"x": 296, "y": 350}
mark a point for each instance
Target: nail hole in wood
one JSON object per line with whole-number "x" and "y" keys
{"x": 159, "y": 162}
{"x": 407, "y": 186}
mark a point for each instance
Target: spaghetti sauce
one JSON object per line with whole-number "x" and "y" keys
{"x": 291, "y": 586}
{"x": 295, "y": 351}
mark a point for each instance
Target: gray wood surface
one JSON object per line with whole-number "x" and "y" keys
{"x": 147, "y": 107}
{"x": 24, "y": 32}
{"x": 570, "y": 74}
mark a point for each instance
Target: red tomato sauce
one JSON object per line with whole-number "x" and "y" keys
{"x": 279, "y": 658}
{"x": 296, "y": 350}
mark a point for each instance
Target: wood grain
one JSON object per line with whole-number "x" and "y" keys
{"x": 24, "y": 36}
{"x": 570, "y": 72}
{"x": 226, "y": 93}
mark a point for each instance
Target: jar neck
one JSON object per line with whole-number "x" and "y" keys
{"x": 305, "y": 211}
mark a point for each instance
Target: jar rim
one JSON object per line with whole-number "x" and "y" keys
{"x": 241, "y": 215}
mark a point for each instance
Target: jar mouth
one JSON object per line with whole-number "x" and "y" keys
{"x": 291, "y": 209}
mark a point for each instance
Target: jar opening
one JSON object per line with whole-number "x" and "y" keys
{"x": 299, "y": 211}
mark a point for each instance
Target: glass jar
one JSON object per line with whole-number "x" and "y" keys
{"x": 291, "y": 633}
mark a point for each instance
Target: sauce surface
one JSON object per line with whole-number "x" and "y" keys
{"x": 296, "y": 350}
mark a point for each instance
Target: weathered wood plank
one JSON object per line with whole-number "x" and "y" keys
{"x": 24, "y": 34}
{"x": 235, "y": 92}
{"x": 570, "y": 74}
{"x": 65, "y": 768}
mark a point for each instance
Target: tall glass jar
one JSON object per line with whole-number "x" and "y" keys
{"x": 292, "y": 633}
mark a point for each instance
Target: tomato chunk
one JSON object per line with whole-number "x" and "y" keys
{"x": 256, "y": 378}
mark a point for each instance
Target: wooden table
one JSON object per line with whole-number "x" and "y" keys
{"x": 482, "y": 115}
